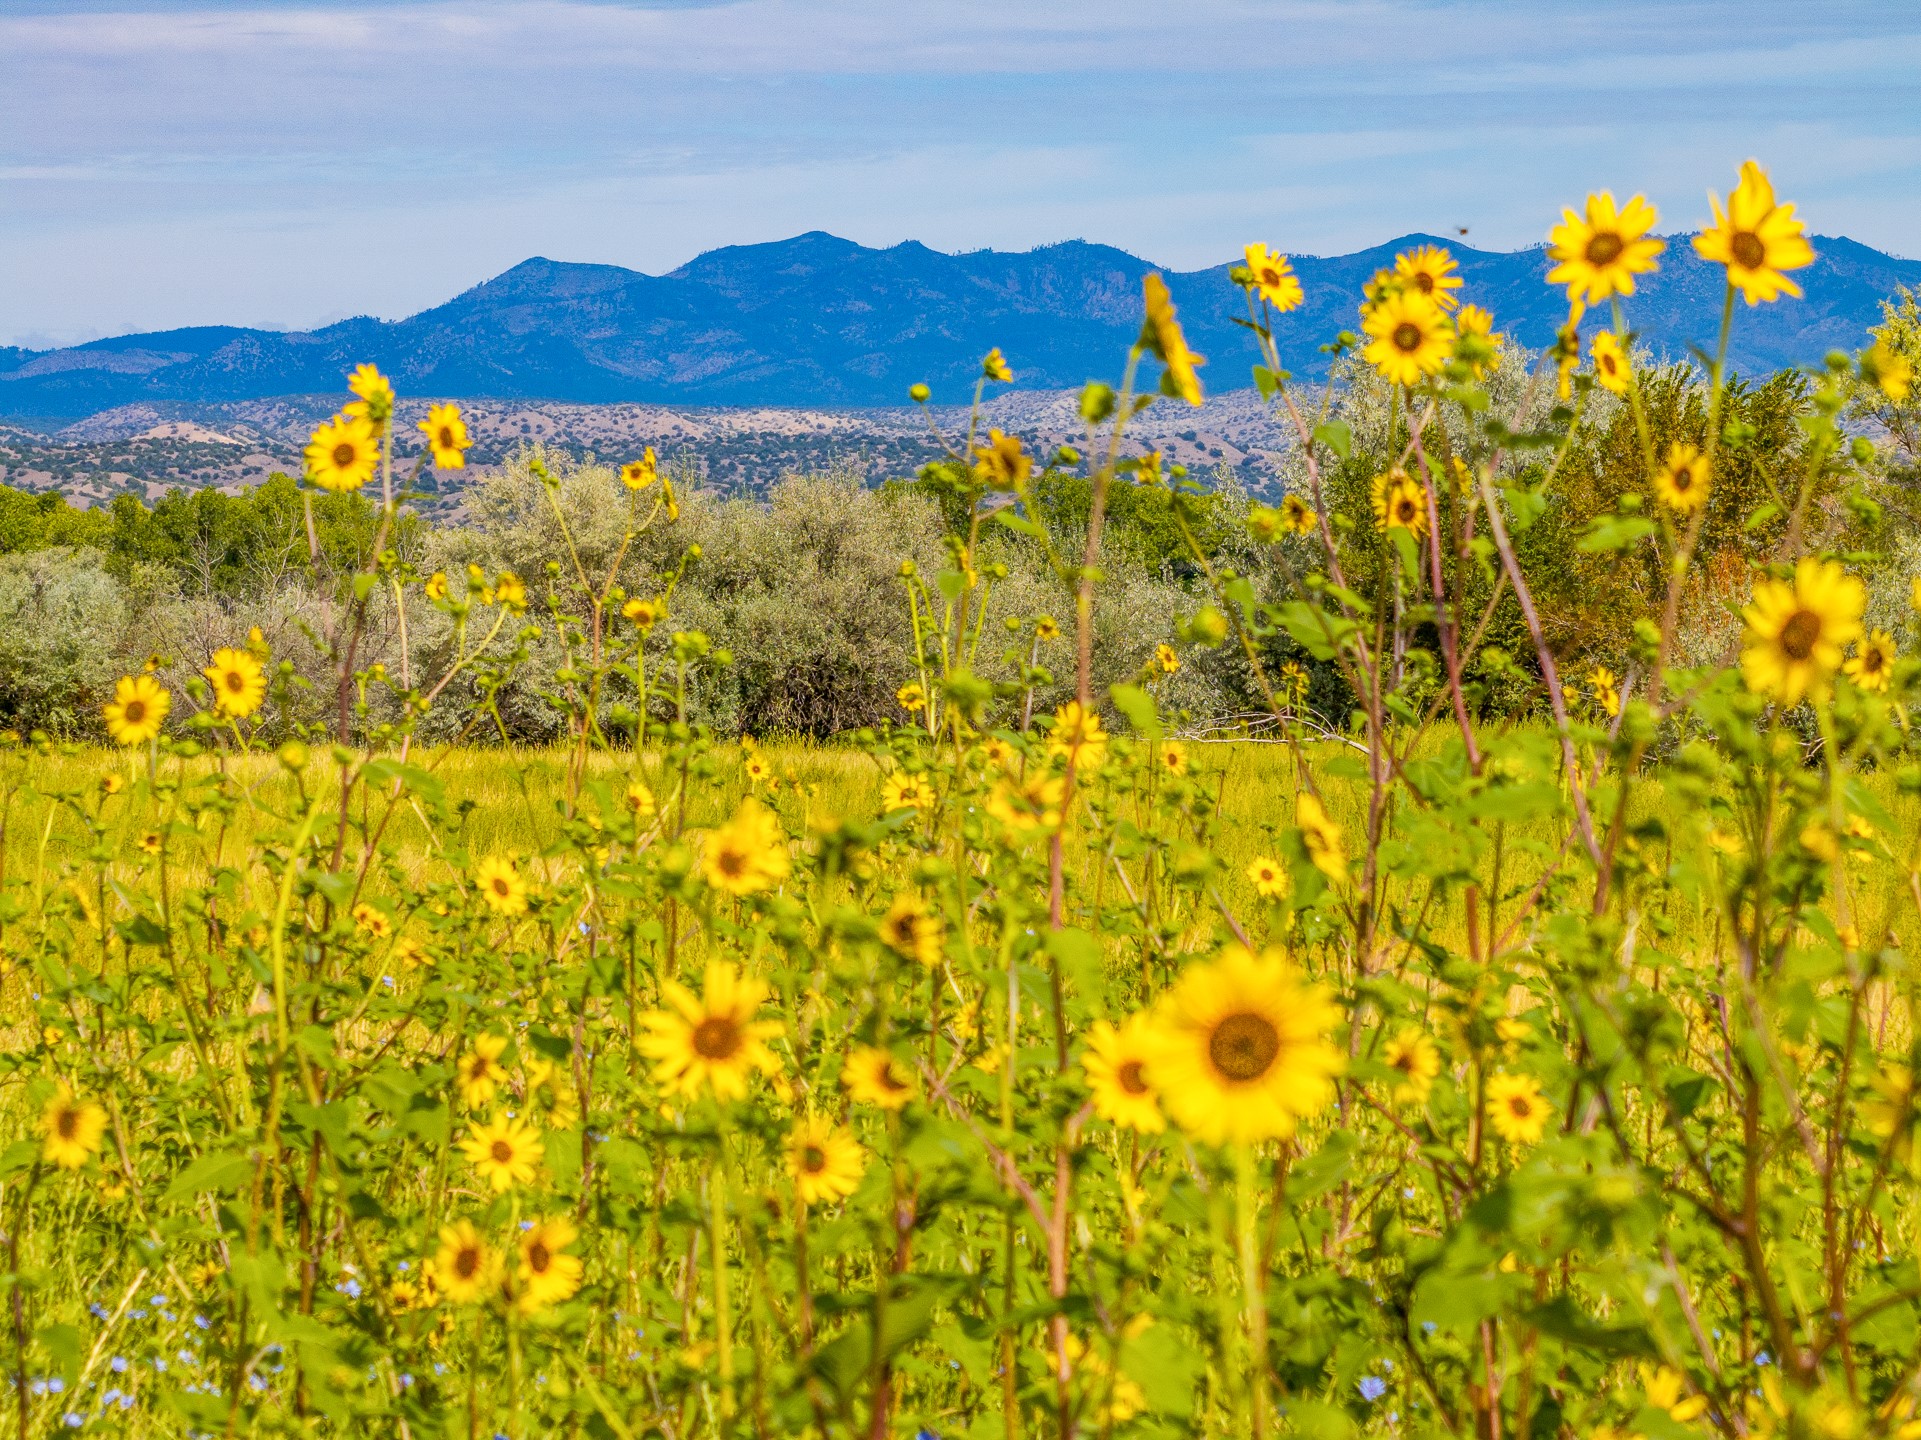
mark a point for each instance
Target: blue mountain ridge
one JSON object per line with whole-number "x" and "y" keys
{"x": 820, "y": 321}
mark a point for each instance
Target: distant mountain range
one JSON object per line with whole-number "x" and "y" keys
{"x": 820, "y": 321}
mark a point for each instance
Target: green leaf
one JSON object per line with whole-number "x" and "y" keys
{"x": 1615, "y": 532}
{"x": 1337, "y": 437}
{"x": 223, "y": 1172}
{"x": 1524, "y": 506}
{"x": 1079, "y": 956}
{"x": 1138, "y": 706}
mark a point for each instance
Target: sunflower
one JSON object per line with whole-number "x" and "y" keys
{"x": 1078, "y": 736}
{"x": 1429, "y": 272}
{"x": 511, "y": 591}
{"x": 1599, "y": 254}
{"x": 645, "y": 614}
{"x": 874, "y": 1076}
{"x": 1411, "y": 337}
{"x": 506, "y": 1152}
{"x": 711, "y": 1039}
{"x": 994, "y": 367}
{"x": 1872, "y": 665}
{"x": 1272, "y": 278}
{"x": 447, "y": 436}
{"x": 901, "y": 791}
{"x": 1297, "y": 516}
{"x": 464, "y": 1265}
{"x": 1756, "y": 239}
{"x": 72, "y": 1128}
{"x": 1161, "y": 336}
{"x": 756, "y": 768}
{"x": 1241, "y": 1048}
{"x": 546, "y": 1274}
{"x": 1320, "y": 837}
{"x": 912, "y": 932}
{"x": 1268, "y": 878}
{"x": 1663, "y": 1388}
{"x": 375, "y": 404}
{"x": 1476, "y": 344}
{"x": 1566, "y": 353}
{"x": 501, "y": 885}
{"x": 1046, "y": 627}
{"x": 1165, "y": 659}
{"x": 1796, "y": 630}
{"x": 1413, "y": 1054}
{"x": 1173, "y": 757}
{"x": 1002, "y": 463}
{"x": 139, "y": 706}
{"x": 1116, "y": 1063}
{"x": 825, "y": 1159}
{"x": 1516, "y": 1108}
{"x": 343, "y": 453}
{"x": 1610, "y": 363}
{"x": 1400, "y": 502}
{"x": 746, "y": 854}
{"x": 638, "y": 474}
{"x": 1887, "y": 370}
{"x": 435, "y": 588}
{"x": 549, "y": 1093}
{"x": 371, "y": 922}
{"x": 481, "y": 1072}
{"x": 1033, "y": 803}
{"x": 1604, "y": 685}
{"x": 640, "y": 801}
{"x": 911, "y": 697}
{"x": 1682, "y": 481}
{"x": 239, "y": 684}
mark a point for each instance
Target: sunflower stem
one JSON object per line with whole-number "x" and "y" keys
{"x": 717, "y": 1243}
{"x": 1253, "y": 1286}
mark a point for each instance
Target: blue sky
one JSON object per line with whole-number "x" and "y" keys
{"x": 286, "y": 164}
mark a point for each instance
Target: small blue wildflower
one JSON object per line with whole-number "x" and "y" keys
{"x": 1372, "y": 1388}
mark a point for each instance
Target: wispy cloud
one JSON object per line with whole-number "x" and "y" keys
{"x": 191, "y": 162}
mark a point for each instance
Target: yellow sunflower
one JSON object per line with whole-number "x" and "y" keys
{"x": 875, "y": 1077}
{"x": 994, "y": 367}
{"x": 911, "y": 932}
{"x": 546, "y": 1274}
{"x": 1516, "y": 1108}
{"x": 1599, "y": 254}
{"x": 1273, "y": 279}
{"x": 447, "y": 436}
{"x": 1566, "y": 353}
{"x": 1078, "y": 736}
{"x": 501, "y": 885}
{"x": 505, "y": 1152}
{"x": 1002, "y": 463}
{"x": 1241, "y": 1050}
{"x": 1413, "y": 1054}
{"x": 239, "y": 684}
{"x": 1297, "y": 516}
{"x": 138, "y": 709}
{"x": 1887, "y": 370}
{"x": 1032, "y": 803}
{"x": 1604, "y": 685}
{"x": 375, "y": 404}
{"x": 71, "y": 1129}
{"x": 551, "y": 1095}
{"x": 511, "y": 591}
{"x": 901, "y": 791}
{"x": 1046, "y": 627}
{"x": 1173, "y": 757}
{"x": 343, "y": 453}
{"x": 1269, "y": 879}
{"x": 1610, "y": 363}
{"x": 711, "y": 1040}
{"x": 826, "y": 1161}
{"x": 1165, "y": 659}
{"x": 911, "y": 697}
{"x": 645, "y": 614}
{"x": 641, "y": 802}
{"x": 481, "y": 1072}
{"x": 1872, "y": 666}
{"x": 1410, "y": 337}
{"x": 464, "y": 1266}
{"x": 639, "y": 474}
{"x": 746, "y": 854}
{"x": 1756, "y": 239}
{"x": 1321, "y": 837}
{"x": 1161, "y": 336}
{"x": 371, "y": 922}
{"x": 1682, "y": 481}
{"x": 1400, "y": 502}
{"x": 1796, "y": 630}
{"x": 1429, "y": 272}
{"x": 1117, "y": 1062}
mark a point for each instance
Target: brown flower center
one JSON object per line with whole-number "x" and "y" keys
{"x": 446, "y": 438}
{"x": 716, "y": 1038}
{"x": 1604, "y": 248}
{"x": 501, "y": 887}
{"x": 235, "y": 681}
{"x": 730, "y": 862}
{"x": 67, "y": 1124}
{"x": 1404, "y": 511}
{"x": 502, "y": 1152}
{"x": 1684, "y": 479}
{"x": 1871, "y": 661}
{"x": 813, "y": 1159}
{"x": 134, "y": 711}
{"x": 1407, "y": 336}
{"x": 539, "y": 1257}
{"x": 1521, "y": 1107}
{"x": 467, "y": 1262}
{"x": 1424, "y": 282}
{"x": 1748, "y": 251}
{"x": 345, "y": 455}
{"x": 1130, "y": 1078}
{"x": 1800, "y": 634}
{"x": 1243, "y": 1046}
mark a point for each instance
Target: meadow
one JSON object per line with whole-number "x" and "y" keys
{"x": 1516, "y": 1039}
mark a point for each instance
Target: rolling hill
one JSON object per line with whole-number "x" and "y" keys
{"x": 820, "y": 321}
